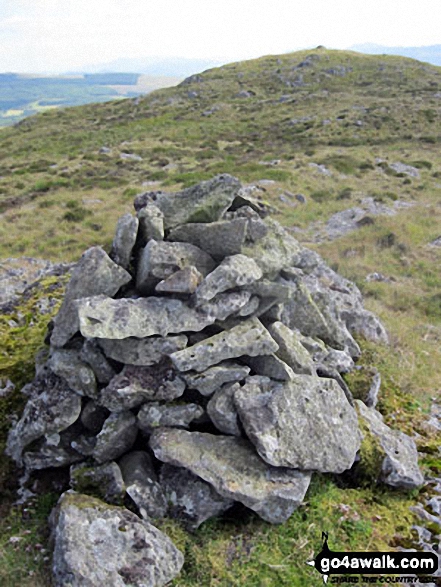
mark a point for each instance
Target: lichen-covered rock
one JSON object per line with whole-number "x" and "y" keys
{"x": 160, "y": 259}
{"x": 103, "y": 317}
{"x": 116, "y": 437}
{"x": 136, "y": 385}
{"x": 103, "y": 481}
{"x": 291, "y": 349}
{"x": 218, "y": 239}
{"x": 124, "y": 240}
{"x": 79, "y": 376}
{"x": 205, "y": 202}
{"x": 222, "y": 410}
{"x": 334, "y": 360}
{"x": 45, "y": 455}
{"x": 93, "y": 416}
{"x": 184, "y": 281}
{"x": 94, "y": 274}
{"x": 270, "y": 366}
{"x": 234, "y": 271}
{"x": 53, "y": 407}
{"x": 247, "y": 338}
{"x": 143, "y": 352}
{"x": 306, "y": 423}
{"x": 151, "y": 223}
{"x": 399, "y": 456}
{"x": 190, "y": 499}
{"x": 231, "y": 466}
{"x": 225, "y": 304}
{"x": 213, "y": 378}
{"x": 142, "y": 484}
{"x": 96, "y": 544}
{"x": 92, "y": 355}
{"x": 154, "y": 415}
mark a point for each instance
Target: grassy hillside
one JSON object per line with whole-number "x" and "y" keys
{"x": 25, "y": 95}
{"x": 329, "y": 125}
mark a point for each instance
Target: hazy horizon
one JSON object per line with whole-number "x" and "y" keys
{"x": 51, "y": 36}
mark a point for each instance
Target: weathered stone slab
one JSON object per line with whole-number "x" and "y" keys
{"x": 248, "y": 338}
{"x": 96, "y": 544}
{"x": 94, "y": 274}
{"x": 142, "y": 484}
{"x": 306, "y": 423}
{"x": 103, "y": 317}
{"x": 160, "y": 259}
{"x": 190, "y": 499}
{"x": 225, "y": 304}
{"x": 124, "y": 240}
{"x": 151, "y": 223}
{"x": 79, "y": 376}
{"x": 154, "y": 415}
{"x": 116, "y": 437}
{"x": 399, "y": 467}
{"x": 205, "y": 202}
{"x": 53, "y": 407}
{"x": 136, "y": 385}
{"x": 270, "y": 366}
{"x": 103, "y": 481}
{"x": 219, "y": 239}
{"x": 213, "y": 378}
{"x": 234, "y": 271}
{"x": 45, "y": 456}
{"x": 183, "y": 281}
{"x": 231, "y": 466}
{"x": 222, "y": 410}
{"x": 291, "y": 350}
{"x": 92, "y": 354}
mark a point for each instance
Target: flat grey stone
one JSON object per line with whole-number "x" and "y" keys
{"x": 45, "y": 456}
{"x": 233, "y": 468}
{"x": 92, "y": 354}
{"x": 222, "y": 410}
{"x": 94, "y": 274}
{"x": 96, "y": 544}
{"x": 213, "y": 378}
{"x": 306, "y": 423}
{"x": 225, "y": 304}
{"x": 136, "y": 385}
{"x": 142, "y": 351}
{"x": 204, "y": 202}
{"x": 103, "y": 317}
{"x": 53, "y": 407}
{"x": 183, "y": 281}
{"x": 250, "y": 307}
{"x": 270, "y": 366}
{"x": 142, "y": 484}
{"x": 190, "y": 499}
{"x": 159, "y": 260}
{"x": 151, "y": 223}
{"x": 79, "y": 376}
{"x": 116, "y": 437}
{"x": 248, "y": 338}
{"x": 291, "y": 350}
{"x": 234, "y": 271}
{"x": 154, "y": 415}
{"x": 103, "y": 481}
{"x": 400, "y": 465}
{"x": 219, "y": 239}
{"x": 339, "y": 361}
{"x": 124, "y": 240}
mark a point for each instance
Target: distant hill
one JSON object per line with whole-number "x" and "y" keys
{"x": 430, "y": 54}
{"x": 24, "y": 95}
{"x": 156, "y": 66}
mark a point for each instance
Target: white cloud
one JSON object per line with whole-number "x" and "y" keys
{"x": 37, "y": 35}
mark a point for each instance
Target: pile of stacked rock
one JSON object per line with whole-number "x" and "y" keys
{"x": 196, "y": 366}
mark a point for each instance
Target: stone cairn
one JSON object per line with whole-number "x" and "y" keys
{"x": 196, "y": 366}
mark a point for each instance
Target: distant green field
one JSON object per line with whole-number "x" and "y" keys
{"x": 24, "y": 95}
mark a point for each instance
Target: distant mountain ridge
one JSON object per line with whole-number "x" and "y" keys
{"x": 155, "y": 66}
{"x": 430, "y": 53}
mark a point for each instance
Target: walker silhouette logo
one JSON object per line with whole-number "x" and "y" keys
{"x": 328, "y": 562}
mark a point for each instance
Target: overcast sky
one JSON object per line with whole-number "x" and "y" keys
{"x": 66, "y": 35}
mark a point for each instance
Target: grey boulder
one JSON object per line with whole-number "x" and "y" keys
{"x": 151, "y": 223}
{"x": 154, "y": 415}
{"x": 222, "y": 410}
{"x": 103, "y": 481}
{"x": 305, "y": 424}
{"x": 124, "y": 240}
{"x": 143, "y": 352}
{"x": 79, "y": 376}
{"x": 96, "y": 544}
{"x": 94, "y": 274}
{"x": 184, "y": 281}
{"x": 231, "y": 466}
{"x": 291, "y": 350}
{"x": 213, "y": 378}
{"x": 116, "y": 437}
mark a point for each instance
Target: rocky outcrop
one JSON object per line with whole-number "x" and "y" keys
{"x": 197, "y": 366}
